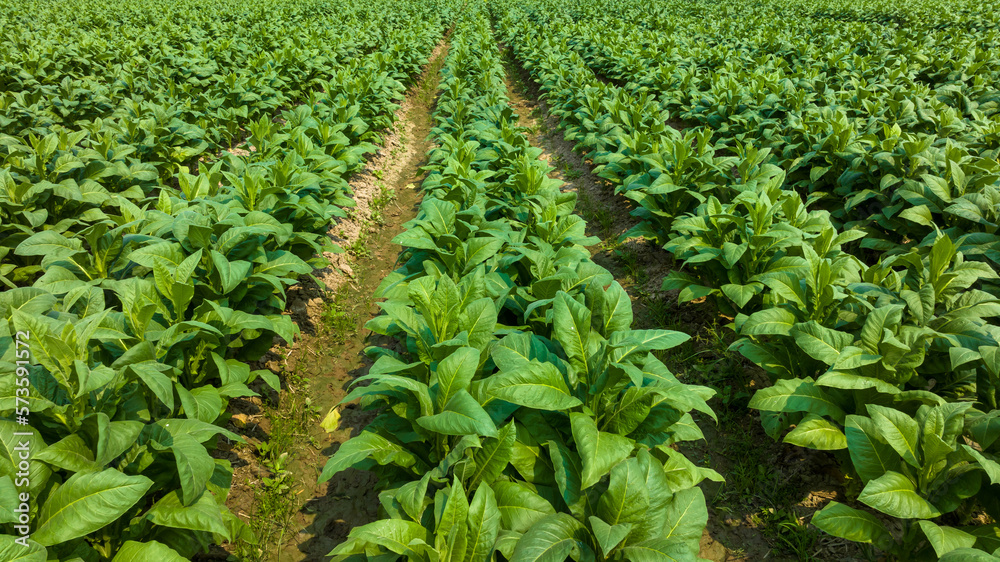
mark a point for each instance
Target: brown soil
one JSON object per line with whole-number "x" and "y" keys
{"x": 799, "y": 481}
{"x": 320, "y": 366}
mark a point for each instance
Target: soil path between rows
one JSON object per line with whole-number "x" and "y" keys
{"x": 328, "y": 356}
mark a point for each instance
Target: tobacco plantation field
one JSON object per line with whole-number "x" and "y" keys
{"x": 499, "y": 280}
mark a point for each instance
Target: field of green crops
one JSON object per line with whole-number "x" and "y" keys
{"x": 819, "y": 177}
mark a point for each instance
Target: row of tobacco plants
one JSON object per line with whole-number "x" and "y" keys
{"x": 850, "y": 239}
{"x": 153, "y": 212}
{"x": 523, "y": 418}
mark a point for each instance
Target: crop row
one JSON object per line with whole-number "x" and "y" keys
{"x": 140, "y": 299}
{"x": 524, "y": 417}
{"x": 884, "y": 353}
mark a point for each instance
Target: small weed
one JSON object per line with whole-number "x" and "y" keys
{"x": 629, "y": 259}
{"x": 275, "y": 502}
{"x": 792, "y": 536}
{"x": 337, "y": 322}
{"x": 359, "y": 248}
{"x": 379, "y": 203}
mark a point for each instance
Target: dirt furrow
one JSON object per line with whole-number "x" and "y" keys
{"x": 275, "y": 486}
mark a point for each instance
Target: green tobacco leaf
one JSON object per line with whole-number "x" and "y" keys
{"x": 599, "y": 451}
{"x": 741, "y": 294}
{"x": 571, "y": 328}
{"x": 462, "y": 415}
{"x": 871, "y": 455}
{"x": 364, "y": 446}
{"x": 133, "y": 551}
{"x": 797, "y": 395}
{"x": 536, "y": 385}
{"x": 989, "y": 466}
{"x": 194, "y": 466}
{"x": 608, "y": 536}
{"x": 616, "y": 310}
{"x": 687, "y": 516}
{"x": 492, "y": 458}
{"x": 49, "y": 243}
{"x": 627, "y": 497}
{"x": 393, "y": 534}
{"x": 451, "y": 529}
{"x": 85, "y": 503}
{"x": 567, "y": 467}
{"x": 899, "y": 430}
{"x": 519, "y": 506}
{"x": 819, "y": 342}
{"x": 769, "y": 322}
{"x": 968, "y": 555}
{"x": 70, "y": 453}
{"x": 847, "y": 381}
{"x": 203, "y": 515}
{"x": 484, "y": 524}
{"x": 658, "y": 550}
{"x": 632, "y": 342}
{"x": 13, "y": 552}
{"x": 816, "y": 432}
{"x": 550, "y": 540}
{"x": 454, "y": 373}
{"x": 945, "y": 539}
{"x": 852, "y": 524}
{"x": 896, "y": 495}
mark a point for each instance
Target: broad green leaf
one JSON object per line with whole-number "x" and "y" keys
{"x": 571, "y": 328}
{"x": 631, "y": 342}
{"x": 86, "y": 502}
{"x": 797, "y": 395}
{"x": 896, "y": 495}
{"x": 70, "y": 453}
{"x": 608, "y": 536}
{"x": 870, "y": 454}
{"x": 627, "y": 499}
{"x": 364, "y": 446}
{"x": 393, "y": 534}
{"x": 454, "y": 373}
{"x": 484, "y": 524}
{"x": 492, "y": 458}
{"x": 451, "y": 523}
{"x": 133, "y": 551}
{"x": 519, "y": 506}
{"x": 816, "y": 432}
{"x": 535, "y": 385}
{"x": 848, "y": 381}
{"x": 462, "y": 415}
{"x": 567, "y": 468}
{"x": 51, "y": 244}
{"x": 852, "y": 524}
{"x": 899, "y": 430}
{"x": 687, "y": 515}
{"x": 819, "y": 342}
{"x": 658, "y": 550}
{"x": 741, "y": 294}
{"x": 945, "y": 539}
{"x": 11, "y": 551}
{"x": 206, "y": 514}
{"x": 599, "y": 451}
{"x": 550, "y": 540}
{"x": 194, "y": 466}
{"x": 769, "y": 322}
{"x": 968, "y": 555}
{"x": 989, "y": 466}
